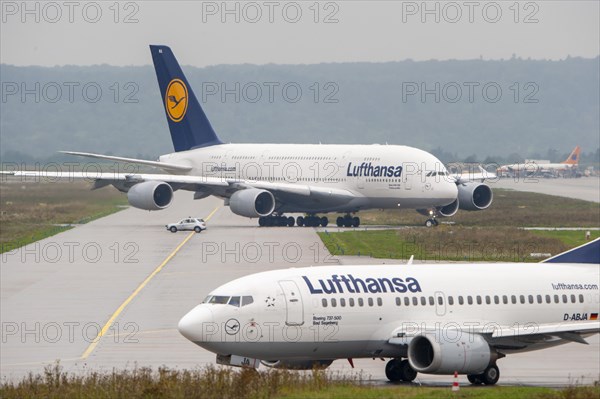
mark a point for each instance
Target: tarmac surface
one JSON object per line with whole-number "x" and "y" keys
{"x": 127, "y": 279}
{"x": 583, "y": 188}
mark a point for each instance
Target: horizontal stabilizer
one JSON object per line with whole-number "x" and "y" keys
{"x": 586, "y": 253}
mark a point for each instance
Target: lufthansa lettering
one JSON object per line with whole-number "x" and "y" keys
{"x": 339, "y": 284}
{"x": 368, "y": 170}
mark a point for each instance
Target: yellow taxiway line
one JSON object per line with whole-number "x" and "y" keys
{"x": 120, "y": 309}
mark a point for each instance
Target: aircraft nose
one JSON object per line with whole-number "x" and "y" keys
{"x": 195, "y": 323}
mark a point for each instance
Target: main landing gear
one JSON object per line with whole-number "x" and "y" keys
{"x": 399, "y": 370}
{"x": 276, "y": 220}
{"x": 306, "y": 221}
{"x": 312, "y": 221}
{"x": 282, "y": 221}
{"x": 489, "y": 376}
{"x": 348, "y": 221}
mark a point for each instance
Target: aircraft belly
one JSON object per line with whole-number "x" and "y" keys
{"x": 308, "y": 205}
{"x": 307, "y": 350}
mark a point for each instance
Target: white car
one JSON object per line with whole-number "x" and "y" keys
{"x": 190, "y": 223}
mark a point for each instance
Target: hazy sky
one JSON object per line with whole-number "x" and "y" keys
{"x": 233, "y": 32}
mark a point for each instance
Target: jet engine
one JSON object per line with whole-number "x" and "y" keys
{"x": 252, "y": 203}
{"x": 297, "y": 364}
{"x": 447, "y": 211}
{"x": 474, "y": 196}
{"x": 150, "y": 195}
{"x": 469, "y": 354}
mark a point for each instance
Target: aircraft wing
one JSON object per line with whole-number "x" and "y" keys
{"x": 479, "y": 176}
{"x": 554, "y": 329}
{"x": 506, "y": 337}
{"x": 162, "y": 165}
{"x": 123, "y": 181}
{"x": 123, "y": 177}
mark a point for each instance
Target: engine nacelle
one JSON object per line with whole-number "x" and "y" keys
{"x": 474, "y": 196}
{"x": 470, "y": 354}
{"x": 297, "y": 364}
{"x": 446, "y": 211}
{"x": 150, "y": 195}
{"x": 450, "y": 209}
{"x": 252, "y": 203}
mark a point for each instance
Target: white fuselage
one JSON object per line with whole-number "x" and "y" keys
{"x": 534, "y": 167}
{"x": 336, "y": 312}
{"x": 379, "y": 176}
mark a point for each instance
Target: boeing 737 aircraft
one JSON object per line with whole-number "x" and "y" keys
{"x": 267, "y": 180}
{"x": 433, "y": 319}
{"x": 532, "y": 168}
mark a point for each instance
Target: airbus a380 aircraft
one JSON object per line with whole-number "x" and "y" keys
{"x": 434, "y": 319}
{"x": 266, "y": 180}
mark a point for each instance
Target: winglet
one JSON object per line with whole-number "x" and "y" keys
{"x": 586, "y": 253}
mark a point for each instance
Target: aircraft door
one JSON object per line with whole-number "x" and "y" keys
{"x": 293, "y": 303}
{"x": 440, "y": 303}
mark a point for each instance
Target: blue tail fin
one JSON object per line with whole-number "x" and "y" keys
{"x": 586, "y": 253}
{"x": 188, "y": 124}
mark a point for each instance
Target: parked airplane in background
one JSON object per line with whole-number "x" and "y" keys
{"x": 432, "y": 319}
{"x": 533, "y": 168}
{"x": 267, "y": 180}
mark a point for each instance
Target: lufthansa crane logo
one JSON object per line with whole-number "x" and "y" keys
{"x": 176, "y": 100}
{"x": 232, "y": 326}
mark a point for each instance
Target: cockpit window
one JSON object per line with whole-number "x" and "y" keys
{"x": 235, "y": 301}
{"x": 429, "y": 174}
{"x": 218, "y": 299}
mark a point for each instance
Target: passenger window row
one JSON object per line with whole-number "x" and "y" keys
{"x": 350, "y": 302}
{"x": 488, "y": 299}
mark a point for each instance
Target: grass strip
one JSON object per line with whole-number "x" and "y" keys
{"x": 221, "y": 382}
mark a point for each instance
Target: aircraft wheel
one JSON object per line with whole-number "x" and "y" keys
{"x": 339, "y": 221}
{"x": 429, "y": 223}
{"x": 474, "y": 379}
{"x": 324, "y": 221}
{"x": 197, "y": 229}
{"x": 407, "y": 373}
{"x": 491, "y": 375}
{"x": 173, "y": 229}
{"x": 355, "y": 221}
{"x": 393, "y": 370}
{"x": 300, "y": 221}
{"x": 290, "y": 221}
{"x": 261, "y": 221}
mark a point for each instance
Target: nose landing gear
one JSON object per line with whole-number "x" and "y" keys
{"x": 431, "y": 222}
